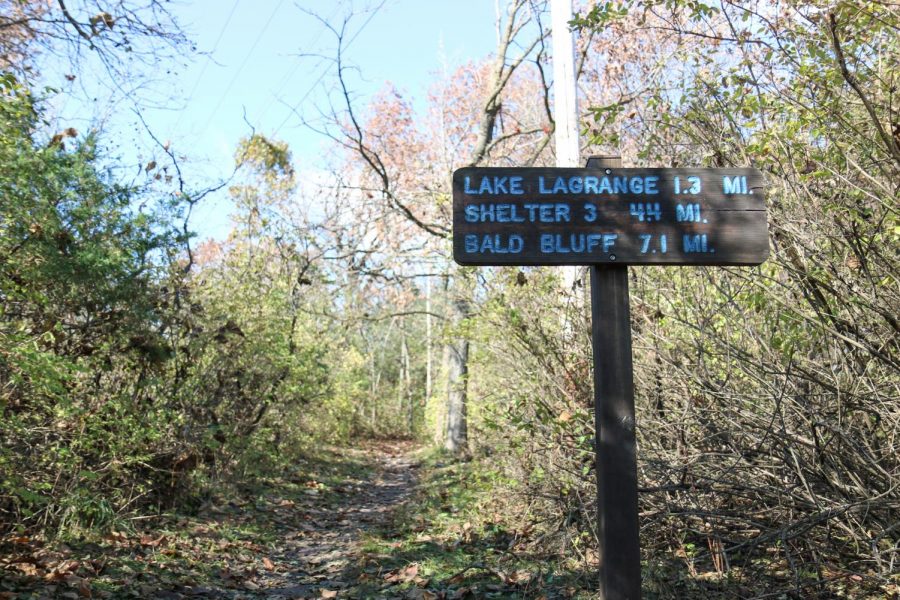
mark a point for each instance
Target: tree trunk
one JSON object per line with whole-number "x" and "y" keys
{"x": 428, "y": 344}
{"x": 407, "y": 386}
{"x": 401, "y": 379}
{"x": 440, "y": 426}
{"x": 373, "y": 391}
{"x": 457, "y": 437}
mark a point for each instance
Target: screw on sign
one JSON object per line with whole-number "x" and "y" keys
{"x": 609, "y": 217}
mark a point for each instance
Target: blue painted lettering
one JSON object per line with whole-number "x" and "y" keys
{"x": 695, "y": 243}
{"x": 695, "y": 185}
{"x": 547, "y": 246}
{"x": 507, "y": 213}
{"x": 734, "y": 185}
{"x": 546, "y": 212}
{"x": 494, "y": 244}
{"x": 646, "y": 245}
{"x": 637, "y": 210}
{"x": 541, "y": 188}
{"x": 494, "y": 185}
{"x": 555, "y": 212}
{"x": 687, "y": 212}
{"x": 638, "y": 185}
{"x": 609, "y": 239}
{"x": 491, "y": 213}
{"x": 577, "y": 243}
{"x": 645, "y": 242}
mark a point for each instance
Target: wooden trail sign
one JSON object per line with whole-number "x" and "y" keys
{"x": 560, "y": 216}
{"x": 609, "y": 217}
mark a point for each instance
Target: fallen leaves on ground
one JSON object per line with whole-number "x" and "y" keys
{"x": 295, "y": 535}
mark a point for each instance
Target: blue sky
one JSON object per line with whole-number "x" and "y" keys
{"x": 261, "y": 58}
{"x": 255, "y": 68}
{"x": 255, "y": 63}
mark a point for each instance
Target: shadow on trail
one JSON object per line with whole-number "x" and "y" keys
{"x": 324, "y": 549}
{"x": 290, "y": 537}
{"x": 353, "y": 523}
{"x": 446, "y": 543}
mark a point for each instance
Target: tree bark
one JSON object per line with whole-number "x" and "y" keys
{"x": 428, "y": 344}
{"x": 407, "y": 385}
{"x": 457, "y": 435}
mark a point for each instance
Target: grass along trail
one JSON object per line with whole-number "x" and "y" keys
{"x": 287, "y": 538}
{"x": 387, "y": 520}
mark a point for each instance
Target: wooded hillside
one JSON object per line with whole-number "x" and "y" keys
{"x": 147, "y": 371}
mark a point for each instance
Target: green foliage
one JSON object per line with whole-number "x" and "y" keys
{"x": 76, "y": 287}
{"x": 127, "y": 383}
{"x": 464, "y": 538}
{"x": 766, "y": 397}
{"x": 135, "y": 378}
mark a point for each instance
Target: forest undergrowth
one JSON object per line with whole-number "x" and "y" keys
{"x": 386, "y": 519}
{"x": 178, "y": 412}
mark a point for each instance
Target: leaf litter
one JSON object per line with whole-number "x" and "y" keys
{"x": 293, "y": 540}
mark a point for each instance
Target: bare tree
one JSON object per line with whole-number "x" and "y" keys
{"x": 420, "y": 199}
{"x": 119, "y": 33}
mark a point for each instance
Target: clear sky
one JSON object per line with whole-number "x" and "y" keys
{"x": 255, "y": 68}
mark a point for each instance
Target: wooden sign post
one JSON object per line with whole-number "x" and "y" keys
{"x": 609, "y": 217}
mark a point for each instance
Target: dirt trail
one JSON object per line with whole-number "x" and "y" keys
{"x": 324, "y": 547}
{"x": 291, "y": 538}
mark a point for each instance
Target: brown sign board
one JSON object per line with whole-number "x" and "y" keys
{"x": 581, "y": 216}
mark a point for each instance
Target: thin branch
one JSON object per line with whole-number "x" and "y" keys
{"x": 851, "y": 80}
{"x": 75, "y": 24}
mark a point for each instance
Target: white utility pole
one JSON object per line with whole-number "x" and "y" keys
{"x": 565, "y": 104}
{"x": 565, "y": 100}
